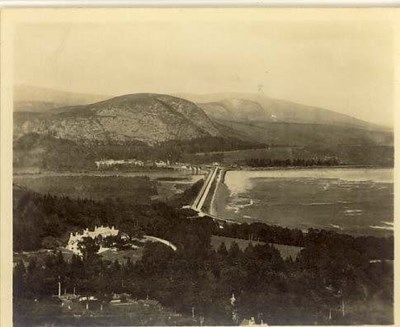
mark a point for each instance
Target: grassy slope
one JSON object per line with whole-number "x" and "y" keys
{"x": 354, "y": 146}
{"x": 309, "y": 134}
{"x": 286, "y": 251}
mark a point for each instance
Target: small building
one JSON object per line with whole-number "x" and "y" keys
{"x": 160, "y": 164}
{"x": 248, "y": 322}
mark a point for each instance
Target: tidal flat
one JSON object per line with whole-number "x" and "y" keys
{"x": 357, "y": 201}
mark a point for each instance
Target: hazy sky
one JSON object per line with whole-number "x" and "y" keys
{"x": 346, "y": 66}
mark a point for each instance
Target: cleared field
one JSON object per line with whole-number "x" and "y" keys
{"x": 135, "y": 187}
{"x": 286, "y": 251}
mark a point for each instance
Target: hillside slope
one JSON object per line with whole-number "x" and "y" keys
{"x": 301, "y": 134}
{"x": 156, "y": 126}
{"x": 148, "y": 118}
{"x": 255, "y": 107}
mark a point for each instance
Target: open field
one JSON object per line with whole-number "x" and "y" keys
{"x": 138, "y": 187}
{"x": 286, "y": 251}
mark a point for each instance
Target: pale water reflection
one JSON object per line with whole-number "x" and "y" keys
{"x": 351, "y": 200}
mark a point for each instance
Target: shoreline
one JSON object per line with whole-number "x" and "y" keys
{"x": 20, "y": 172}
{"x": 222, "y": 194}
{"x": 249, "y": 168}
{"x": 105, "y": 173}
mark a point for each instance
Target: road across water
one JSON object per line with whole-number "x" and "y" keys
{"x": 202, "y": 196}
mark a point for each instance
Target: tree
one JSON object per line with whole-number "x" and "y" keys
{"x": 222, "y": 251}
{"x": 234, "y": 253}
{"x": 89, "y": 248}
{"x": 50, "y": 242}
{"x": 19, "y": 280}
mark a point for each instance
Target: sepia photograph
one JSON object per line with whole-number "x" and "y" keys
{"x": 200, "y": 166}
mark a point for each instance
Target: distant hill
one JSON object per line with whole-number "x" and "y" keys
{"x": 156, "y": 126}
{"x": 39, "y": 99}
{"x": 148, "y": 118}
{"x": 254, "y": 107}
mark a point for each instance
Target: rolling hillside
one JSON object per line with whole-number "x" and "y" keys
{"x": 302, "y": 134}
{"x": 148, "y": 118}
{"x": 254, "y": 107}
{"x": 156, "y": 126}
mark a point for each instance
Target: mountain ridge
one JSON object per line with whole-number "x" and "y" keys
{"x": 235, "y": 104}
{"x": 270, "y": 109}
{"x": 159, "y": 126}
{"x": 150, "y": 118}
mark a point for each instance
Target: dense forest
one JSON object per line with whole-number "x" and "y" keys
{"x": 43, "y": 221}
{"x": 310, "y": 290}
{"x": 50, "y": 153}
{"x": 332, "y": 270}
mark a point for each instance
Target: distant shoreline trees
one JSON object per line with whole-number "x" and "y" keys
{"x": 262, "y": 162}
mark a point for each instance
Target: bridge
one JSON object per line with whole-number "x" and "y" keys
{"x": 205, "y": 190}
{"x": 215, "y": 175}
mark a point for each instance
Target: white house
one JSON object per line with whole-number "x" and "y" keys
{"x": 75, "y": 238}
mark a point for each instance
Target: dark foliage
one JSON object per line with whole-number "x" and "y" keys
{"x": 258, "y": 162}
{"x": 371, "y": 247}
{"x": 173, "y": 150}
{"x": 331, "y": 270}
{"x": 46, "y": 220}
{"x": 197, "y": 278}
{"x": 50, "y": 153}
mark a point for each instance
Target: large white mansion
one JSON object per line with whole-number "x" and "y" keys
{"x": 75, "y": 238}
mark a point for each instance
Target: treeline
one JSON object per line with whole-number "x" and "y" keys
{"x": 262, "y": 162}
{"x": 188, "y": 195}
{"x": 201, "y": 280}
{"x": 60, "y": 154}
{"x": 175, "y": 149}
{"x": 369, "y": 246}
{"x": 45, "y": 220}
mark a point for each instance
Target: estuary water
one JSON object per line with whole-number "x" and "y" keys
{"x": 357, "y": 201}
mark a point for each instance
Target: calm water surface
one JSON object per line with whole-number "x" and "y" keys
{"x": 356, "y": 201}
